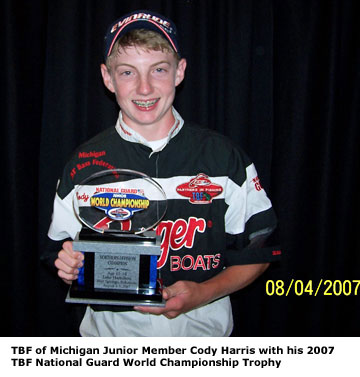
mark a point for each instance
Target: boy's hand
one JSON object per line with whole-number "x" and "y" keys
{"x": 184, "y": 296}
{"x": 180, "y": 297}
{"x": 68, "y": 262}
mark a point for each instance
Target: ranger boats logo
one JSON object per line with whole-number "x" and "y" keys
{"x": 200, "y": 190}
{"x": 120, "y": 206}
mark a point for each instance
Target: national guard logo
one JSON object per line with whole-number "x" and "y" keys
{"x": 200, "y": 190}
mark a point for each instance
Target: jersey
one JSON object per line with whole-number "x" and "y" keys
{"x": 217, "y": 215}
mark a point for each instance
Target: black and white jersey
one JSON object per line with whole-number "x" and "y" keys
{"x": 218, "y": 214}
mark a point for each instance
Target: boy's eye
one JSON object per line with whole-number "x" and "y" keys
{"x": 126, "y": 73}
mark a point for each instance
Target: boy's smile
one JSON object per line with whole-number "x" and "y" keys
{"x": 144, "y": 83}
{"x": 146, "y": 105}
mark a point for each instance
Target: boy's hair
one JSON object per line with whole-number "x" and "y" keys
{"x": 142, "y": 38}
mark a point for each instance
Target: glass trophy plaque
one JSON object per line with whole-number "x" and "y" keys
{"x": 119, "y": 210}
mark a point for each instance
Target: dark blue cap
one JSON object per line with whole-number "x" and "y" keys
{"x": 141, "y": 19}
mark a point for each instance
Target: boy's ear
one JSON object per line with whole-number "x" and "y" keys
{"x": 180, "y": 71}
{"x": 107, "y": 78}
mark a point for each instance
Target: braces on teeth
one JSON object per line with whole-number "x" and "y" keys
{"x": 145, "y": 103}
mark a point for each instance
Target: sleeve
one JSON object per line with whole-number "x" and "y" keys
{"x": 250, "y": 220}
{"x": 64, "y": 223}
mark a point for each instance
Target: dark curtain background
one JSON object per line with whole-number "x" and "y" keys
{"x": 279, "y": 77}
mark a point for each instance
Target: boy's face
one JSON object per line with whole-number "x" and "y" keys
{"x": 144, "y": 84}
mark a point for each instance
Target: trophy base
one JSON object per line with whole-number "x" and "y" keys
{"x": 139, "y": 297}
{"x": 118, "y": 270}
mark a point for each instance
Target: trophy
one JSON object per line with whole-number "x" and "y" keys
{"x": 119, "y": 210}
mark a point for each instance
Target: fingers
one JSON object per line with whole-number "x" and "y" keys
{"x": 171, "y": 315}
{"x": 169, "y": 306}
{"x": 150, "y": 310}
{"x": 178, "y": 300}
{"x": 173, "y": 290}
{"x": 68, "y": 249}
{"x": 68, "y": 263}
{"x": 176, "y": 289}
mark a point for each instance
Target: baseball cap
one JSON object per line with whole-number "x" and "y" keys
{"x": 141, "y": 19}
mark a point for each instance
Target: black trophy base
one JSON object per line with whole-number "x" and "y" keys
{"x": 140, "y": 297}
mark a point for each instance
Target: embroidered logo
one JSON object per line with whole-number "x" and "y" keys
{"x": 257, "y": 184}
{"x": 200, "y": 190}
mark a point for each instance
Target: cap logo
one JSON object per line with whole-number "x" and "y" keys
{"x": 138, "y": 17}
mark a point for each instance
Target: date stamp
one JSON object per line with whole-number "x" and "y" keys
{"x": 313, "y": 288}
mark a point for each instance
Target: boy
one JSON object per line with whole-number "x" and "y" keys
{"x": 211, "y": 243}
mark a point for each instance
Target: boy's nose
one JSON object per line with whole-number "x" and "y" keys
{"x": 144, "y": 86}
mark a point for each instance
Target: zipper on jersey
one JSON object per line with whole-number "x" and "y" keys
{"x": 157, "y": 165}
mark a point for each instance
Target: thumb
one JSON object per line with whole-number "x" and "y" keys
{"x": 169, "y": 292}
{"x": 68, "y": 247}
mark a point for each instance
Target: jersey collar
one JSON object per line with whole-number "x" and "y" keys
{"x": 129, "y": 134}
